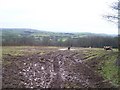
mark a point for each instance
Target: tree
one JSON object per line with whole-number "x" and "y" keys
{"x": 116, "y": 16}
{"x": 46, "y": 41}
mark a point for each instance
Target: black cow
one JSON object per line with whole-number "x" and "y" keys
{"x": 69, "y": 48}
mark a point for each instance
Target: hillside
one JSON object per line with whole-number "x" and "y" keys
{"x": 22, "y": 36}
{"x": 35, "y": 32}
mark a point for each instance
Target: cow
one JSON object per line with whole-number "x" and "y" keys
{"x": 69, "y": 48}
{"x": 108, "y": 48}
{"x": 90, "y": 47}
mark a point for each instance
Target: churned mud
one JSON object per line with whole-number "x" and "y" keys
{"x": 59, "y": 69}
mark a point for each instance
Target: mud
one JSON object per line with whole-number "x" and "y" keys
{"x": 60, "y": 69}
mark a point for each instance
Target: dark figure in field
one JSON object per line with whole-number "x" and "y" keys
{"x": 69, "y": 48}
{"x": 107, "y": 48}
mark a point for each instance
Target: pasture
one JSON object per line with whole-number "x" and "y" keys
{"x": 57, "y": 67}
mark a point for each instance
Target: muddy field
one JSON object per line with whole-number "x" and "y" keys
{"x": 55, "y": 68}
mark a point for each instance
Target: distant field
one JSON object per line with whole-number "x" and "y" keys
{"x": 25, "y": 50}
{"x": 97, "y": 59}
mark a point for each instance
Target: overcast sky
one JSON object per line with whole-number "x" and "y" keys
{"x": 57, "y": 15}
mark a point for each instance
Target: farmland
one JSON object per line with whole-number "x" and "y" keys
{"x": 57, "y": 67}
{"x": 32, "y": 37}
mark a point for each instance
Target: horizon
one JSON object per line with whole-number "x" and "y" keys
{"x": 59, "y": 31}
{"x": 58, "y": 16}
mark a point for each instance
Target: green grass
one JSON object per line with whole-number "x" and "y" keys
{"x": 93, "y": 53}
{"x": 105, "y": 63}
{"x": 109, "y": 68}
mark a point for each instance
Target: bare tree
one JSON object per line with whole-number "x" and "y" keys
{"x": 116, "y": 16}
{"x": 116, "y": 19}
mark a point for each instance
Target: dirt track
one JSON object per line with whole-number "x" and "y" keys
{"x": 60, "y": 69}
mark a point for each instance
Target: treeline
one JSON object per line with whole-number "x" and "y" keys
{"x": 87, "y": 41}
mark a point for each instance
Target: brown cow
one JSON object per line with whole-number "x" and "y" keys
{"x": 107, "y": 48}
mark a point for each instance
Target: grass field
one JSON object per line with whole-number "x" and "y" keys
{"x": 26, "y": 50}
{"x": 98, "y": 59}
{"x": 105, "y": 63}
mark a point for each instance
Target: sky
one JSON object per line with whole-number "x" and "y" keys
{"x": 58, "y": 15}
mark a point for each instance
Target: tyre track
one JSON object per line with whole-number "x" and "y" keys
{"x": 60, "y": 69}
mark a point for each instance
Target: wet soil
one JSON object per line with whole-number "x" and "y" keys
{"x": 59, "y": 69}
